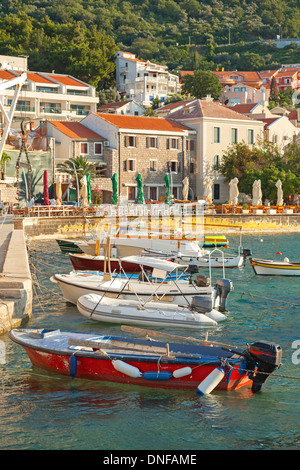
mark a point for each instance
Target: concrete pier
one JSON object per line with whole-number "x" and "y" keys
{"x": 15, "y": 277}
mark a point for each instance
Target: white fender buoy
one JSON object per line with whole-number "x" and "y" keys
{"x": 182, "y": 372}
{"x": 126, "y": 369}
{"x": 211, "y": 381}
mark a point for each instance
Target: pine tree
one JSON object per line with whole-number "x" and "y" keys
{"x": 274, "y": 93}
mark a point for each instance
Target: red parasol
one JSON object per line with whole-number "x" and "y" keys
{"x": 46, "y": 191}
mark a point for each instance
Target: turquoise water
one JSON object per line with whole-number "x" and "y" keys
{"x": 41, "y": 411}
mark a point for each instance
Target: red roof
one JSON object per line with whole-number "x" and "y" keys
{"x": 269, "y": 121}
{"x": 142, "y": 122}
{"x": 67, "y": 80}
{"x": 5, "y": 75}
{"x": 75, "y": 130}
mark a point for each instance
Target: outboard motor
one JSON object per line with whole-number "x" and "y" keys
{"x": 202, "y": 281}
{"x": 263, "y": 358}
{"x": 246, "y": 253}
{"x": 223, "y": 286}
{"x": 192, "y": 269}
{"x": 201, "y": 303}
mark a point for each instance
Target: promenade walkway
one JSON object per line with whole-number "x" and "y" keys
{"x": 6, "y": 229}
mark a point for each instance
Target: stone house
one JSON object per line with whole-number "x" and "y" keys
{"x": 149, "y": 146}
{"x": 217, "y": 127}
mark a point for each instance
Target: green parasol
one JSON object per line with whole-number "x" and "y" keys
{"x": 140, "y": 191}
{"x": 89, "y": 190}
{"x": 114, "y": 179}
{"x": 168, "y": 193}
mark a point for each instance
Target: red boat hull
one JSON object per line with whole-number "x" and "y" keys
{"x": 103, "y": 369}
{"x": 89, "y": 263}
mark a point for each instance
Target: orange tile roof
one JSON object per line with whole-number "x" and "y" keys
{"x": 36, "y": 77}
{"x": 144, "y": 123}
{"x": 5, "y": 75}
{"x": 66, "y": 80}
{"x": 75, "y": 130}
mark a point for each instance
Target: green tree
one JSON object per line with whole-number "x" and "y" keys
{"x": 77, "y": 168}
{"x": 201, "y": 84}
{"x": 274, "y": 93}
{"x": 5, "y": 159}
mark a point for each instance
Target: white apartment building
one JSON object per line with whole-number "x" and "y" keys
{"x": 46, "y": 95}
{"x": 143, "y": 80}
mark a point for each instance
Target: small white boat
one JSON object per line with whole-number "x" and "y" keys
{"x": 266, "y": 267}
{"x": 136, "y": 312}
{"x": 177, "y": 290}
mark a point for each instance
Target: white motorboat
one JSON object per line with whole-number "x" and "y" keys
{"x": 178, "y": 290}
{"x": 136, "y": 312}
{"x": 266, "y": 267}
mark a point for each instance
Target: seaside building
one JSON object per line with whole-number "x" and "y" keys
{"x": 46, "y": 95}
{"x": 143, "y": 80}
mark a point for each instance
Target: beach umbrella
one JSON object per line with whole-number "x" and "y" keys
{"x": 58, "y": 190}
{"x": 256, "y": 193}
{"x": 279, "y": 193}
{"x": 140, "y": 191}
{"x": 83, "y": 191}
{"x": 233, "y": 191}
{"x": 46, "y": 189}
{"x": 208, "y": 183}
{"x": 114, "y": 179}
{"x": 168, "y": 193}
{"x": 185, "y": 189}
{"x": 89, "y": 188}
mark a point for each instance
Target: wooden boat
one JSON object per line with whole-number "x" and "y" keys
{"x": 180, "y": 290}
{"x": 202, "y": 366}
{"x": 135, "y": 312}
{"x": 70, "y": 246}
{"x": 84, "y": 262}
{"x": 265, "y": 267}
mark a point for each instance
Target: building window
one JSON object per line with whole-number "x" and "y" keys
{"x": 173, "y": 166}
{"x": 153, "y": 193}
{"x": 131, "y": 193}
{"x": 216, "y": 135}
{"x": 129, "y": 165}
{"x": 234, "y": 136}
{"x": 130, "y": 141}
{"x": 172, "y": 144}
{"x": 151, "y": 142}
{"x": 236, "y": 89}
{"x": 216, "y": 191}
{"x": 190, "y": 145}
{"x": 84, "y": 148}
{"x": 98, "y": 148}
{"x": 250, "y": 136}
{"x": 216, "y": 162}
{"x": 192, "y": 167}
{"x": 153, "y": 165}
{"x": 175, "y": 192}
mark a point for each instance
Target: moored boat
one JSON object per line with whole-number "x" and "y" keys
{"x": 134, "y": 312}
{"x": 178, "y": 290}
{"x": 265, "y": 267}
{"x": 203, "y": 366}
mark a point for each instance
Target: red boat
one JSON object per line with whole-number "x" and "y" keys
{"x": 203, "y": 367}
{"x": 84, "y": 262}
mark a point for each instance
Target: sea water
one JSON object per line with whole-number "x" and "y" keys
{"x": 43, "y": 411}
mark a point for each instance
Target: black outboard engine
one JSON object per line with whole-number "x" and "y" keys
{"x": 246, "y": 254}
{"x": 223, "y": 286}
{"x": 202, "y": 303}
{"x": 202, "y": 281}
{"x": 263, "y": 358}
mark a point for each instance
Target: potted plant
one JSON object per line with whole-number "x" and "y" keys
{"x": 245, "y": 208}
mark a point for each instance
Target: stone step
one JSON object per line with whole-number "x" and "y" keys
{"x": 11, "y": 293}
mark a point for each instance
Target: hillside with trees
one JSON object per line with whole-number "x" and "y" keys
{"x": 80, "y": 37}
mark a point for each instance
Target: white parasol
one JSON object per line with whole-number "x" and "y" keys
{"x": 58, "y": 190}
{"x": 83, "y": 191}
{"x": 208, "y": 182}
{"x": 185, "y": 189}
{"x": 257, "y": 193}
{"x": 233, "y": 191}
{"x": 279, "y": 193}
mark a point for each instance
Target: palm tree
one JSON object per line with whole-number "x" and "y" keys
{"x": 77, "y": 168}
{"x": 3, "y": 160}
